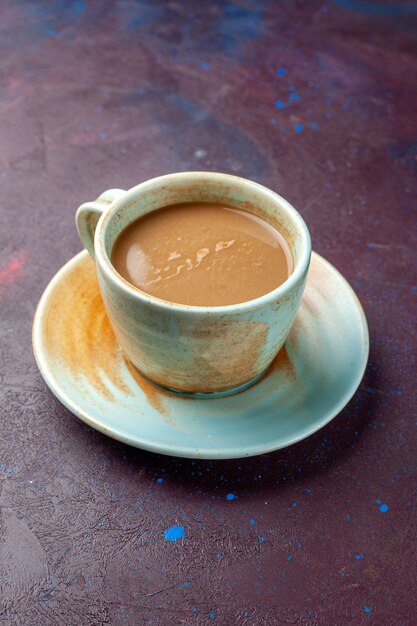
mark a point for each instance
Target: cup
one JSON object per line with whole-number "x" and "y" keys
{"x": 195, "y": 350}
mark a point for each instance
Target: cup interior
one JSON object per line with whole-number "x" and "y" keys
{"x": 209, "y": 187}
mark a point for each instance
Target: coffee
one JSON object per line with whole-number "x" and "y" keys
{"x": 202, "y": 254}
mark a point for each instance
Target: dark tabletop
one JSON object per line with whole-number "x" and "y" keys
{"x": 315, "y": 100}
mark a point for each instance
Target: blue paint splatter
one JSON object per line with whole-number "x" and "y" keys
{"x": 384, "y": 508}
{"x": 378, "y": 502}
{"x": 230, "y": 496}
{"x": 281, "y": 71}
{"x": 77, "y": 7}
{"x": 174, "y": 533}
{"x": 186, "y": 583}
{"x": 262, "y": 539}
{"x": 308, "y": 489}
{"x": 298, "y": 128}
{"x": 289, "y": 557}
{"x": 342, "y": 573}
{"x": 160, "y": 480}
{"x": 212, "y": 615}
{"x": 358, "y": 557}
{"x": 279, "y": 104}
{"x": 10, "y": 470}
{"x": 252, "y": 521}
{"x": 314, "y": 126}
{"x": 205, "y": 66}
{"x": 294, "y": 96}
{"x": 49, "y": 31}
{"x": 367, "y": 609}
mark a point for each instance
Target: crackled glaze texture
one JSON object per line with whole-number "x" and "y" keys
{"x": 314, "y": 99}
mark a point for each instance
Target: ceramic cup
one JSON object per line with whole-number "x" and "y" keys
{"x": 204, "y": 351}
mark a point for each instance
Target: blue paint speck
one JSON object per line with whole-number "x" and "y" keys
{"x": 314, "y": 126}
{"x": 174, "y": 533}
{"x": 205, "y": 66}
{"x": 378, "y": 502}
{"x": 262, "y": 539}
{"x": 294, "y": 96}
{"x": 342, "y": 573}
{"x": 77, "y": 7}
{"x": 50, "y": 31}
{"x": 289, "y": 557}
{"x": 358, "y": 557}
{"x": 252, "y": 521}
{"x": 230, "y": 496}
{"x": 308, "y": 489}
{"x": 186, "y": 583}
{"x": 212, "y": 615}
{"x": 10, "y": 470}
{"x": 384, "y": 508}
{"x": 367, "y": 609}
{"x": 279, "y": 104}
{"x": 281, "y": 71}
{"x": 160, "y": 481}
{"x": 298, "y": 128}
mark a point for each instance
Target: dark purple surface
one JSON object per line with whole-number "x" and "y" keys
{"x": 317, "y": 101}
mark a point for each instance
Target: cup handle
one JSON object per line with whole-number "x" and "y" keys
{"x": 88, "y": 215}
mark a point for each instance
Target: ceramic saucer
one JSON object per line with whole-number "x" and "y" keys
{"x": 308, "y": 384}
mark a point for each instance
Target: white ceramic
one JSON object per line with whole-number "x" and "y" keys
{"x": 308, "y": 384}
{"x": 188, "y": 348}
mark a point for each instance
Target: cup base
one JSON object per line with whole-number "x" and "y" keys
{"x": 210, "y": 394}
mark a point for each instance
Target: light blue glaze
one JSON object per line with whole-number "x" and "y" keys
{"x": 194, "y": 349}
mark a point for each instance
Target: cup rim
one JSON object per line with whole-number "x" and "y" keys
{"x": 107, "y": 268}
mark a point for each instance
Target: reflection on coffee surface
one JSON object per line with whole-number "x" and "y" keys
{"x": 202, "y": 254}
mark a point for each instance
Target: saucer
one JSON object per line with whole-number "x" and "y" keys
{"x": 311, "y": 380}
